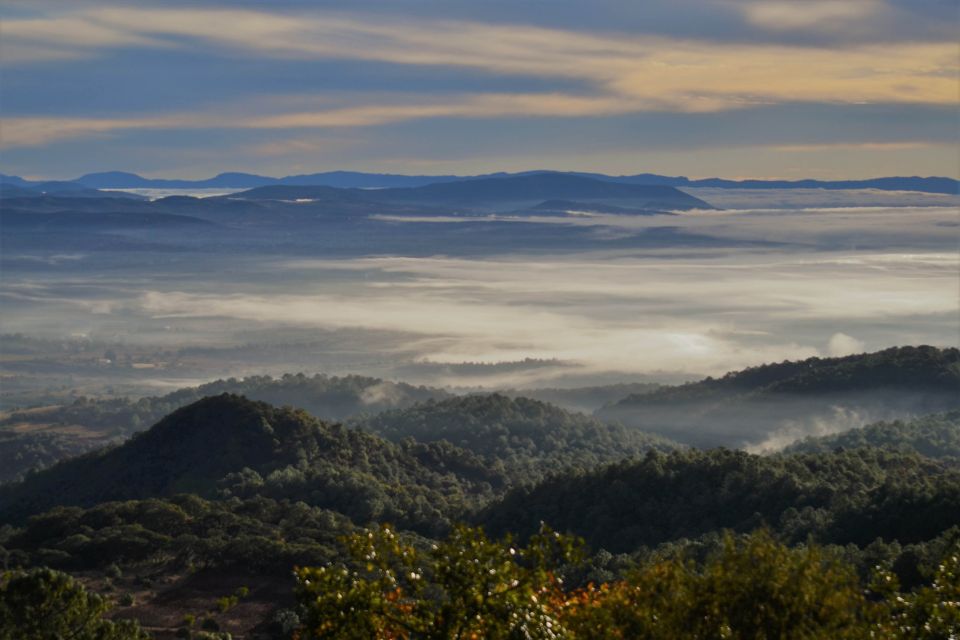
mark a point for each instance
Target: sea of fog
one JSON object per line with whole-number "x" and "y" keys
{"x": 784, "y": 280}
{"x": 156, "y": 194}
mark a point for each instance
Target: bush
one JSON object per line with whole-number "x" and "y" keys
{"x": 752, "y": 588}
{"x": 43, "y": 604}
{"x": 284, "y": 623}
{"x": 466, "y": 587}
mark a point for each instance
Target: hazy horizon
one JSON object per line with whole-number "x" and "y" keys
{"x": 493, "y": 170}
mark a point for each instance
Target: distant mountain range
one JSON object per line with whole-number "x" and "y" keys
{"x": 490, "y": 194}
{"x": 360, "y": 180}
{"x": 60, "y": 190}
{"x": 522, "y": 189}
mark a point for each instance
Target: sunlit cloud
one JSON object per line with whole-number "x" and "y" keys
{"x": 833, "y": 15}
{"x": 843, "y": 345}
{"x": 622, "y": 74}
{"x": 32, "y": 131}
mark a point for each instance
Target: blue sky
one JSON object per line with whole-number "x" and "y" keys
{"x": 732, "y": 88}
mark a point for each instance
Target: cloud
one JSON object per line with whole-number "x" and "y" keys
{"x": 833, "y": 15}
{"x": 621, "y": 73}
{"x": 34, "y": 131}
{"x": 843, "y": 345}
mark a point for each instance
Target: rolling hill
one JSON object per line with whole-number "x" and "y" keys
{"x": 772, "y": 405}
{"x": 848, "y": 497}
{"x": 228, "y": 445}
{"x": 934, "y": 436}
{"x": 537, "y": 187}
{"x": 527, "y": 438}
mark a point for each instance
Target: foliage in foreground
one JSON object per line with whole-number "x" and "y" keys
{"x": 755, "y": 587}
{"x": 464, "y": 587}
{"x": 43, "y": 604}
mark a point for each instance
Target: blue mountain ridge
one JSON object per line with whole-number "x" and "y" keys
{"x": 362, "y": 180}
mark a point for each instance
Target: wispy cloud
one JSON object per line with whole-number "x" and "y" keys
{"x": 31, "y": 131}
{"x": 831, "y": 15}
{"x": 621, "y": 74}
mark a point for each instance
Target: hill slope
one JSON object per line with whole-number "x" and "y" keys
{"x": 228, "y": 445}
{"x": 849, "y": 497}
{"x": 934, "y": 436}
{"x": 778, "y": 403}
{"x": 330, "y": 397}
{"x": 528, "y": 438}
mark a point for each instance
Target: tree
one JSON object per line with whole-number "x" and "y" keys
{"x": 43, "y": 604}
{"x": 464, "y": 587}
{"x": 931, "y": 612}
{"x": 754, "y": 588}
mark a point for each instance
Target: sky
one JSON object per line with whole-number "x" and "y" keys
{"x": 730, "y": 88}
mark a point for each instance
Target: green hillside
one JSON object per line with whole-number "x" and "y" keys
{"x": 841, "y": 498}
{"x": 934, "y": 436}
{"x": 527, "y": 438}
{"x": 228, "y": 445}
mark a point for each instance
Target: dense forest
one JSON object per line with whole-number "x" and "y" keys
{"x": 110, "y": 420}
{"x": 934, "y": 436}
{"x": 770, "y": 405}
{"x": 36, "y": 438}
{"x": 333, "y": 397}
{"x": 925, "y": 368}
{"x": 526, "y": 438}
{"x": 744, "y": 407}
{"x": 432, "y": 519}
{"x": 839, "y": 498}
{"x": 230, "y": 446}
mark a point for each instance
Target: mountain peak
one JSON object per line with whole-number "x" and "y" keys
{"x": 190, "y": 450}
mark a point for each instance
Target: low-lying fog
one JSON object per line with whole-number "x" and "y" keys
{"x": 783, "y": 280}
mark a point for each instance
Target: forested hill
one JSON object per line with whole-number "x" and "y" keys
{"x": 925, "y": 368}
{"x": 934, "y": 436}
{"x": 330, "y": 397}
{"x": 767, "y": 403}
{"x": 846, "y": 497}
{"x": 103, "y": 420}
{"x": 230, "y": 446}
{"x": 527, "y": 438}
